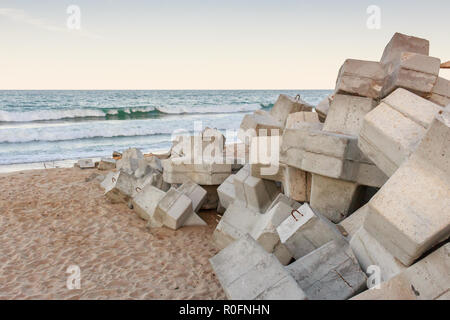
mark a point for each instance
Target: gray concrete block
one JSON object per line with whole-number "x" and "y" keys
{"x": 146, "y": 201}
{"x": 85, "y": 164}
{"x": 330, "y": 272}
{"x": 107, "y": 164}
{"x": 247, "y": 272}
{"x": 194, "y": 192}
{"x": 404, "y": 43}
{"x": 226, "y": 192}
{"x": 121, "y": 187}
{"x": 173, "y": 209}
{"x": 427, "y": 279}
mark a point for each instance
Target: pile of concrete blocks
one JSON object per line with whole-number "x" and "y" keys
{"x": 357, "y": 195}
{"x": 263, "y": 123}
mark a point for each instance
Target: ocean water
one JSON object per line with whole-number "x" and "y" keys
{"x": 37, "y": 126}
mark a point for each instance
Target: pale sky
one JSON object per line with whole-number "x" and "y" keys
{"x": 185, "y": 44}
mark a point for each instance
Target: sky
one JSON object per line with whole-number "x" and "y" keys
{"x": 184, "y": 44}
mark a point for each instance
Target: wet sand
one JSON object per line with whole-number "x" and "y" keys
{"x": 52, "y": 219}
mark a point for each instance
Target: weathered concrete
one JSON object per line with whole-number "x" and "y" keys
{"x": 85, "y": 164}
{"x": 330, "y": 272}
{"x": 329, "y": 154}
{"x": 264, "y": 231}
{"x": 235, "y": 223}
{"x": 206, "y": 173}
{"x": 286, "y": 105}
{"x": 120, "y": 188}
{"x": 107, "y": 164}
{"x": 335, "y": 199}
{"x": 362, "y": 78}
{"x": 414, "y": 72}
{"x": 194, "y": 192}
{"x": 247, "y": 272}
{"x": 404, "y": 43}
{"x": 300, "y": 117}
{"x": 392, "y": 131}
{"x": 146, "y": 201}
{"x": 441, "y": 92}
{"x": 306, "y": 231}
{"x": 428, "y": 279}
{"x": 255, "y": 193}
{"x": 370, "y": 252}
{"x": 346, "y": 114}
{"x": 323, "y": 107}
{"x": 130, "y": 160}
{"x": 173, "y": 209}
{"x": 350, "y": 225}
{"x": 226, "y": 192}
{"x": 409, "y": 214}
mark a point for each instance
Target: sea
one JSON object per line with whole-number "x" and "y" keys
{"x": 40, "y": 126}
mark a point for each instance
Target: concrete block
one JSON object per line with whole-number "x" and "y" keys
{"x": 247, "y": 272}
{"x": 330, "y": 272}
{"x": 297, "y": 184}
{"x": 404, "y": 43}
{"x": 323, "y": 107}
{"x": 257, "y": 124}
{"x": 414, "y": 72}
{"x": 173, "y": 209}
{"x": 346, "y": 114}
{"x": 107, "y": 164}
{"x": 286, "y": 200}
{"x": 255, "y": 193}
{"x": 226, "y": 192}
{"x": 335, "y": 199}
{"x": 146, "y": 201}
{"x": 370, "y": 252}
{"x": 329, "y": 154}
{"x": 393, "y": 130}
{"x": 236, "y": 222}
{"x": 265, "y": 233}
{"x": 427, "y": 279}
{"x": 441, "y": 92}
{"x": 362, "y": 78}
{"x": 286, "y": 105}
{"x": 121, "y": 188}
{"x": 86, "y": 164}
{"x": 409, "y": 215}
{"x": 300, "y": 117}
{"x": 306, "y": 231}
{"x": 208, "y": 172}
{"x": 350, "y": 225}
{"x": 194, "y": 192}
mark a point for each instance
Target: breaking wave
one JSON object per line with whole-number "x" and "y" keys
{"x": 121, "y": 113}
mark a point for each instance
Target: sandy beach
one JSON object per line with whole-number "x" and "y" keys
{"x": 52, "y": 219}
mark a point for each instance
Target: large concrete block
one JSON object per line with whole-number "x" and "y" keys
{"x": 335, "y": 199}
{"x": 85, "y": 164}
{"x": 350, "y": 225}
{"x": 208, "y": 172}
{"x": 130, "y": 160}
{"x": 107, "y": 164}
{"x": 226, "y": 192}
{"x": 146, "y": 201}
{"x": 121, "y": 188}
{"x": 254, "y": 192}
{"x": 393, "y": 130}
{"x": 173, "y": 209}
{"x": 247, "y": 272}
{"x": 286, "y": 105}
{"x": 209, "y": 143}
{"x": 427, "y": 279}
{"x": 264, "y": 231}
{"x": 305, "y": 231}
{"x": 256, "y": 124}
{"x": 370, "y": 252}
{"x": 194, "y": 192}
{"x": 323, "y": 107}
{"x": 330, "y": 272}
{"x": 414, "y": 72}
{"x": 329, "y": 154}
{"x": 346, "y": 114}
{"x": 235, "y": 223}
{"x": 410, "y": 214}
{"x": 362, "y": 78}
{"x": 441, "y": 92}
{"x": 404, "y": 43}
{"x": 301, "y": 117}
